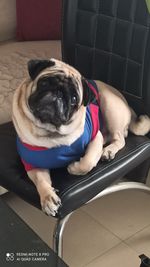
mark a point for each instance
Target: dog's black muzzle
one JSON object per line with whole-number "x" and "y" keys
{"x": 54, "y": 100}
{"x": 49, "y": 108}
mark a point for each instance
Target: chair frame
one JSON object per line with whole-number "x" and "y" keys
{"x": 61, "y": 223}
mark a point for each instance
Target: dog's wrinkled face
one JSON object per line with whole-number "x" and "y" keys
{"x": 55, "y": 99}
{"x": 57, "y": 91}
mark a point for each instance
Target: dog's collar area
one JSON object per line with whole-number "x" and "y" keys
{"x": 93, "y": 87}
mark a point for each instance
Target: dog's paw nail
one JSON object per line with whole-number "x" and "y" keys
{"x": 103, "y": 158}
{"x": 55, "y": 190}
{"x": 49, "y": 211}
{"x": 57, "y": 202}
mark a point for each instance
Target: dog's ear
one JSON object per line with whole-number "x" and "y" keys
{"x": 88, "y": 94}
{"x": 35, "y": 66}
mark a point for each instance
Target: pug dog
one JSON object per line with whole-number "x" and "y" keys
{"x": 64, "y": 120}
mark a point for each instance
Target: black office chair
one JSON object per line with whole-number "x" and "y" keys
{"x": 107, "y": 40}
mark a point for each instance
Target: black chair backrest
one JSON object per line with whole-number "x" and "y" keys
{"x": 109, "y": 40}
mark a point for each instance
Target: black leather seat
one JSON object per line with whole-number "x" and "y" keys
{"x": 107, "y": 40}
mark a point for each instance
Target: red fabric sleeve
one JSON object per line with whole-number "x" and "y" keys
{"x": 94, "y": 109}
{"x": 27, "y": 166}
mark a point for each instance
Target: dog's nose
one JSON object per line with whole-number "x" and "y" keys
{"x": 59, "y": 94}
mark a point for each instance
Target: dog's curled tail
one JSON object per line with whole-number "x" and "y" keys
{"x": 139, "y": 125}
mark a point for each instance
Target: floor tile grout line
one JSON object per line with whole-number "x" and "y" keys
{"x": 146, "y": 226}
{"x": 122, "y": 241}
{"x": 125, "y": 241}
{"x": 98, "y": 257}
{"x": 92, "y": 217}
{"x": 132, "y": 248}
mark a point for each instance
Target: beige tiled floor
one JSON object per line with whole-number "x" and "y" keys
{"x": 109, "y": 232}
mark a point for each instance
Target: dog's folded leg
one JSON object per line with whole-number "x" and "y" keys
{"x": 50, "y": 202}
{"x": 92, "y": 156}
{"x": 117, "y": 143}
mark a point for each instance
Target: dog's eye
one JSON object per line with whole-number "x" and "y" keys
{"x": 44, "y": 84}
{"x": 73, "y": 100}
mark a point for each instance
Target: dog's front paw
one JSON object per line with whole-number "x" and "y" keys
{"x": 79, "y": 167}
{"x": 50, "y": 202}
